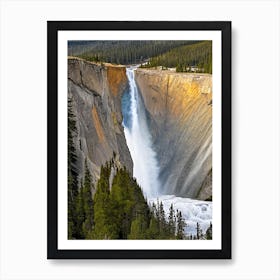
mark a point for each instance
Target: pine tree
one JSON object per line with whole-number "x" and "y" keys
{"x": 101, "y": 206}
{"x": 162, "y": 222}
{"x": 179, "y": 68}
{"x": 171, "y": 221}
{"x": 209, "y": 232}
{"x": 121, "y": 199}
{"x": 153, "y": 230}
{"x": 157, "y": 214}
{"x": 88, "y": 203}
{"x": 138, "y": 228}
{"x": 199, "y": 234}
{"x": 72, "y": 172}
{"x": 81, "y": 215}
{"x": 180, "y": 225}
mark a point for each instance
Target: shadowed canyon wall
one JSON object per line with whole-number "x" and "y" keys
{"x": 179, "y": 109}
{"x": 96, "y": 92}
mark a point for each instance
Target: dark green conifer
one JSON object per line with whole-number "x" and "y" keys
{"x": 208, "y": 234}
{"x": 81, "y": 215}
{"x": 88, "y": 203}
{"x": 72, "y": 172}
{"x": 171, "y": 221}
{"x": 180, "y": 225}
{"x": 199, "y": 234}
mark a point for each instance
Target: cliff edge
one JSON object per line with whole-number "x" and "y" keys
{"x": 179, "y": 109}
{"x": 95, "y": 91}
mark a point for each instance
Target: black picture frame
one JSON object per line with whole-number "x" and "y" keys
{"x": 52, "y": 88}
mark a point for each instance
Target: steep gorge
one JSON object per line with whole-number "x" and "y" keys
{"x": 96, "y": 91}
{"x": 179, "y": 118}
{"x": 179, "y": 110}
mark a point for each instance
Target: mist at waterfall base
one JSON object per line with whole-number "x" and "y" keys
{"x": 145, "y": 165}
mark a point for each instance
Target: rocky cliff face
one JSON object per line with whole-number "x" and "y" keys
{"x": 96, "y": 92}
{"x": 179, "y": 108}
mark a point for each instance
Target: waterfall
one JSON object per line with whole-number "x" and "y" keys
{"x": 139, "y": 141}
{"x": 145, "y": 164}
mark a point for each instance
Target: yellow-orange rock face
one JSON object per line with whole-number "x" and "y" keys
{"x": 117, "y": 79}
{"x": 179, "y": 106}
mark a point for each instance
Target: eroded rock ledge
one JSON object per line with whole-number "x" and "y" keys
{"x": 96, "y": 92}
{"x": 179, "y": 108}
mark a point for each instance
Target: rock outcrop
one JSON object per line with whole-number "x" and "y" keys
{"x": 96, "y": 91}
{"x": 179, "y": 109}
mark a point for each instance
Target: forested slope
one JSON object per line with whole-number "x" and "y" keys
{"x": 122, "y": 52}
{"x": 188, "y": 58}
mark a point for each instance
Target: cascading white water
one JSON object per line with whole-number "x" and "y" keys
{"x": 145, "y": 165}
{"x": 139, "y": 142}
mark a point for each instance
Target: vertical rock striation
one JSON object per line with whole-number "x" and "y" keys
{"x": 179, "y": 109}
{"x": 96, "y": 92}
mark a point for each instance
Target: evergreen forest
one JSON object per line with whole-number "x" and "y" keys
{"x": 185, "y": 56}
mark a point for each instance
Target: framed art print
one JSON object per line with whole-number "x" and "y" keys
{"x": 139, "y": 140}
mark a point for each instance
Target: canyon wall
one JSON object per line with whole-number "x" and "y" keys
{"x": 179, "y": 109}
{"x": 96, "y": 91}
